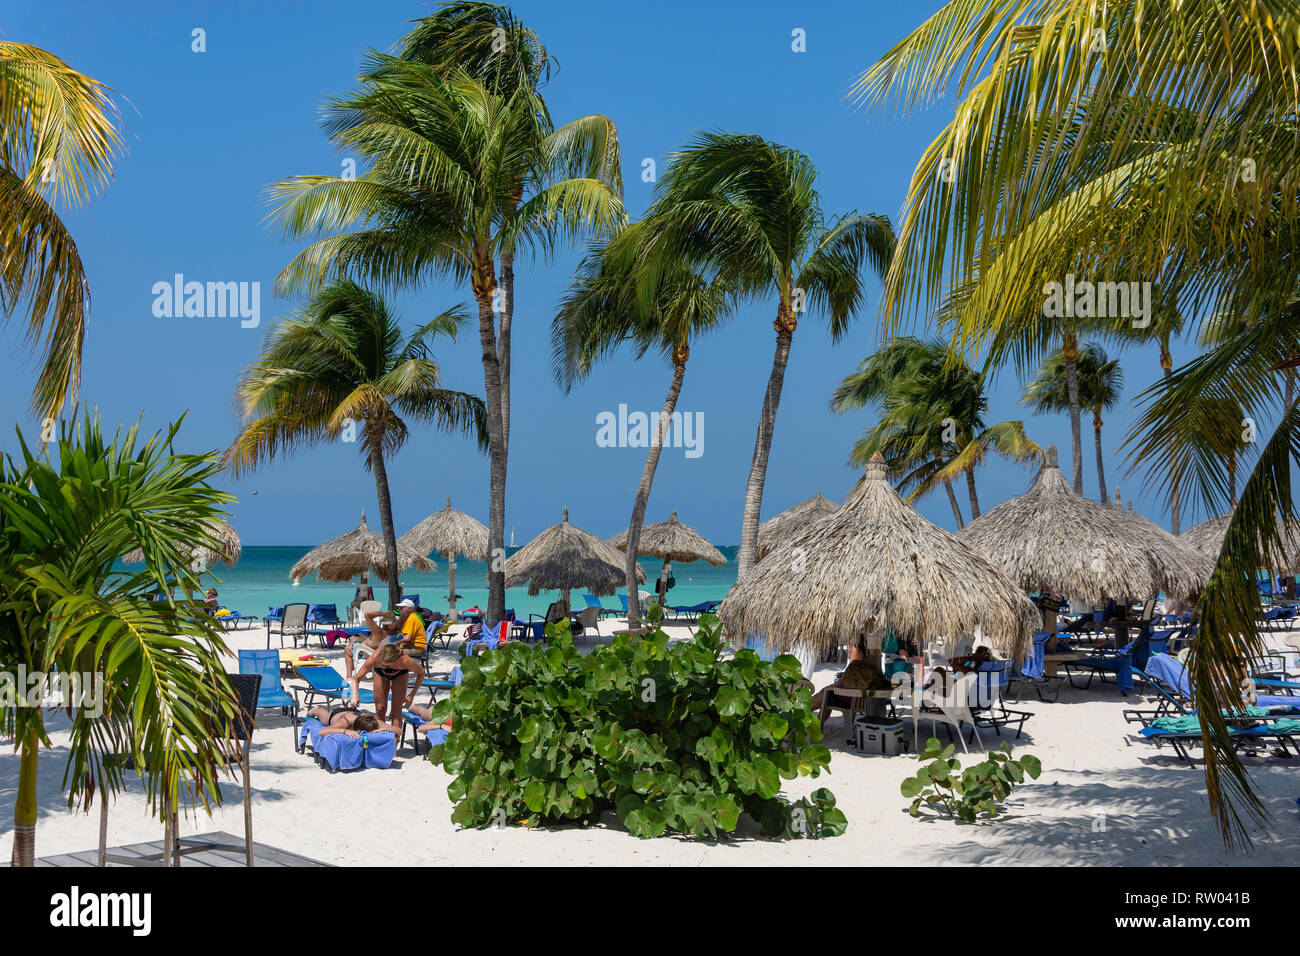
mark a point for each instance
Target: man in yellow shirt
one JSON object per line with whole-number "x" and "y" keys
{"x": 410, "y": 628}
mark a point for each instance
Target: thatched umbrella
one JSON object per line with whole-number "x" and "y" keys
{"x": 794, "y": 519}
{"x": 671, "y": 541}
{"x": 227, "y": 553}
{"x": 1207, "y": 538}
{"x": 449, "y": 532}
{"x": 876, "y": 563}
{"x": 564, "y": 557}
{"x": 1051, "y": 539}
{"x": 359, "y": 550}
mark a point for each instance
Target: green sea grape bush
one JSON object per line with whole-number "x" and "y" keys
{"x": 670, "y": 738}
{"x": 963, "y": 794}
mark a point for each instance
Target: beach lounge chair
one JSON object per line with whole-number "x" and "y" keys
{"x": 328, "y": 684}
{"x": 413, "y": 721}
{"x": 291, "y": 622}
{"x": 987, "y": 707}
{"x": 234, "y": 621}
{"x": 593, "y": 601}
{"x": 271, "y": 693}
{"x": 374, "y": 749}
{"x": 1032, "y": 670}
{"x": 324, "y": 614}
{"x": 692, "y": 612}
{"x": 485, "y": 640}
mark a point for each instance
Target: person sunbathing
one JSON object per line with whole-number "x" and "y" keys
{"x": 344, "y": 720}
{"x": 426, "y": 713}
{"x": 392, "y": 669}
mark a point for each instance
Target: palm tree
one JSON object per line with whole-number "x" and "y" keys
{"x": 464, "y": 173}
{"x": 341, "y": 369}
{"x": 749, "y": 209}
{"x": 65, "y": 517}
{"x": 932, "y": 430}
{"x": 627, "y": 293}
{"x": 1100, "y": 383}
{"x": 1133, "y": 156}
{"x": 58, "y": 136}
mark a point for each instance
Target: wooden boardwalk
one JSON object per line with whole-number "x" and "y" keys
{"x": 263, "y": 855}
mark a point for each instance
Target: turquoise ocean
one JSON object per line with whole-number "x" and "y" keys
{"x": 261, "y": 580}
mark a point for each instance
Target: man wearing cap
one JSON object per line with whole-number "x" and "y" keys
{"x": 410, "y": 628}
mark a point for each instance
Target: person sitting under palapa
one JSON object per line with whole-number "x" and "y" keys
{"x": 860, "y": 674}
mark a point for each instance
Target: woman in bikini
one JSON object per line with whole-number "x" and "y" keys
{"x": 344, "y": 720}
{"x": 392, "y": 673}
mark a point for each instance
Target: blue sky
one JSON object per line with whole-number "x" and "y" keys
{"x": 207, "y": 132}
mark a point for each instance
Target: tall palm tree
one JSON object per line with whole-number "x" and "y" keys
{"x": 628, "y": 293}
{"x": 1110, "y": 158}
{"x": 341, "y": 368}
{"x": 1100, "y": 384}
{"x": 65, "y": 517}
{"x": 749, "y": 209}
{"x": 932, "y": 429}
{"x": 58, "y": 137}
{"x": 464, "y": 172}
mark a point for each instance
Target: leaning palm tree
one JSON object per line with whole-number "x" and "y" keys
{"x": 749, "y": 209}
{"x": 463, "y": 174}
{"x": 628, "y": 293}
{"x": 341, "y": 369}
{"x": 932, "y": 429}
{"x": 58, "y": 136}
{"x": 158, "y": 687}
{"x": 1100, "y": 384}
{"x": 1128, "y": 143}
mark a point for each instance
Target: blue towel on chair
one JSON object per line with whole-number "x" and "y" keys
{"x": 341, "y": 752}
{"x": 311, "y": 727}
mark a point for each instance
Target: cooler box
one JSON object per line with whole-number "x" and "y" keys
{"x": 879, "y": 735}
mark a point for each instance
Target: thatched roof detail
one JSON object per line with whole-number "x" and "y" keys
{"x": 672, "y": 541}
{"x": 227, "y": 551}
{"x": 1207, "y": 538}
{"x": 1053, "y": 539}
{"x": 361, "y": 549}
{"x": 794, "y": 519}
{"x": 874, "y": 563}
{"x": 564, "y": 557}
{"x": 449, "y": 533}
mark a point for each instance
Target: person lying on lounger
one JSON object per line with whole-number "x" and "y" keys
{"x": 420, "y": 710}
{"x": 344, "y": 720}
{"x": 392, "y": 669}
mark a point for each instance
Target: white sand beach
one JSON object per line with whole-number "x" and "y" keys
{"x": 1103, "y": 799}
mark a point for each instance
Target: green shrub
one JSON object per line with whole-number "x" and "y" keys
{"x": 942, "y": 785}
{"x": 671, "y": 738}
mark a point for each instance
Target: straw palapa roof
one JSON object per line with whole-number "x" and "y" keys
{"x": 359, "y": 550}
{"x": 449, "y": 532}
{"x": 672, "y": 541}
{"x": 779, "y": 528}
{"x": 564, "y": 557}
{"x": 874, "y": 563}
{"x": 228, "y": 551}
{"x": 1053, "y": 539}
{"x": 1207, "y": 538}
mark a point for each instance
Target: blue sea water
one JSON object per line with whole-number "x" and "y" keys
{"x": 261, "y": 580}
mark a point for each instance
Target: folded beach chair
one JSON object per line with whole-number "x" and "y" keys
{"x": 266, "y": 664}
{"x": 336, "y": 752}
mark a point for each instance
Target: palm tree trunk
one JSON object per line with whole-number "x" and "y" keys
{"x": 974, "y": 498}
{"x": 484, "y": 285}
{"x": 24, "y": 851}
{"x": 952, "y": 500}
{"x": 643, "y": 489}
{"x": 503, "y": 343}
{"x": 1101, "y": 468}
{"x": 1175, "y": 500}
{"x": 1071, "y": 356}
{"x": 375, "y": 439}
{"x": 748, "y": 555}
